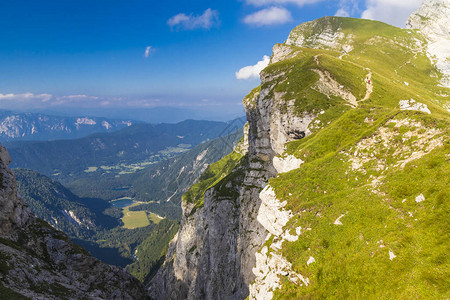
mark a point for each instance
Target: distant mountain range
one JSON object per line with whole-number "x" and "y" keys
{"x": 40, "y": 127}
{"x": 153, "y": 115}
{"x": 160, "y": 185}
{"x": 125, "y": 150}
{"x": 94, "y": 224}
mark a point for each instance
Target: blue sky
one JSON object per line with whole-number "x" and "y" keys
{"x": 61, "y": 55}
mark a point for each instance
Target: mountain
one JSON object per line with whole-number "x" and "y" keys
{"x": 167, "y": 114}
{"x": 160, "y": 185}
{"x": 92, "y": 223}
{"x": 119, "y": 152}
{"x": 53, "y": 203}
{"x": 153, "y": 115}
{"x": 39, "y": 262}
{"x": 41, "y": 127}
{"x": 96, "y": 226}
{"x": 343, "y": 189}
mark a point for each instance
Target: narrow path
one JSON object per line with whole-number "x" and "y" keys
{"x": 369, "y": 86}
{"x": 316, "y": 59}
{"x": 416, "y": 52}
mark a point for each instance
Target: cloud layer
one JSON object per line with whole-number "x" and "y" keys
{"x": 269, "y": 16}
{"x": 394, "y": 12}
{"x": 25, "y": 97}
{"x": 31, "y": 100}
{"x": 252, "y": 72}
{"x": 190, "y": 22}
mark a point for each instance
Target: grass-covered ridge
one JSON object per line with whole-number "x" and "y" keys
{"x": 382, "y": 172}
{"x": 396, "y": 57}
{"x": 215, "y": 173}
{"x": 385, "y": 172}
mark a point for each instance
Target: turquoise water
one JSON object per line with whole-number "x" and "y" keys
{"x": 125, "y": 188}
{"x": 122, "y": 202}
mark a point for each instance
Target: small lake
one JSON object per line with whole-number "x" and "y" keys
{"x": 125, "y": 188}
{"x": 122, "y": 202}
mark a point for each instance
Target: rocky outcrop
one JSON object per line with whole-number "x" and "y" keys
{"x": 14, "y": 213}
{"x": 324, "y": 33}
{"x": 432, "y": 20}
{"x": 40, "y": 262}
{"x": 413, "y": 105}
{"x": 213, "y": 255}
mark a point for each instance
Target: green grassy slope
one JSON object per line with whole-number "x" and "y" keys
{"x": 151, "y": 252}
{"x": 352, "y": 260}
{"x": 357, "y": 165}
{"x": 214, "y": 175}
{"x": 371, "y": 163}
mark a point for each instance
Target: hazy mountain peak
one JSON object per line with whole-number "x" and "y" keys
{"x": 37, "y": 126}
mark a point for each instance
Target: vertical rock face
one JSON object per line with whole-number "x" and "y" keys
{"x": 432, "y": 20}
{"x": 213, "y": 255}
{"x": 13, "y": 211}
{"x": 40, "y": 262}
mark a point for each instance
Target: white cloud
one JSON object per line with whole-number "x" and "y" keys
{"x": 342, "y": 12}
{"x": 31, "y": 100}
{"x": 347, "y": 8}
{"x": 251, "y": 72}
{"x": 79, "y": 97}
{"x": 269, "y": 16}
{"x": 148, "y": 50}
{"x": 190, "y": 22}
{"x": 270, "y": 2}
{"x": 394, "y": 12}
{"x": 44, "y": 101}
{"x": 26, "y": 97}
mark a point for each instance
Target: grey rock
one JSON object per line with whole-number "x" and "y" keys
{"x": 40, "y": 262}
{"x": 213, "y": 254}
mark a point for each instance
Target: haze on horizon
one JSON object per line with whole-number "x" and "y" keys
{"x": 120, "y": 59}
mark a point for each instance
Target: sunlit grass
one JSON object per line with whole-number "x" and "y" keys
{"x": 134, "y": 219}
{"x": 353, "y": 260}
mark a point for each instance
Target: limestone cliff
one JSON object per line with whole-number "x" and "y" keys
{"x": 325, "y": 202}
{"x": 432, "y": 20}
{"x": 39, "y": 262}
